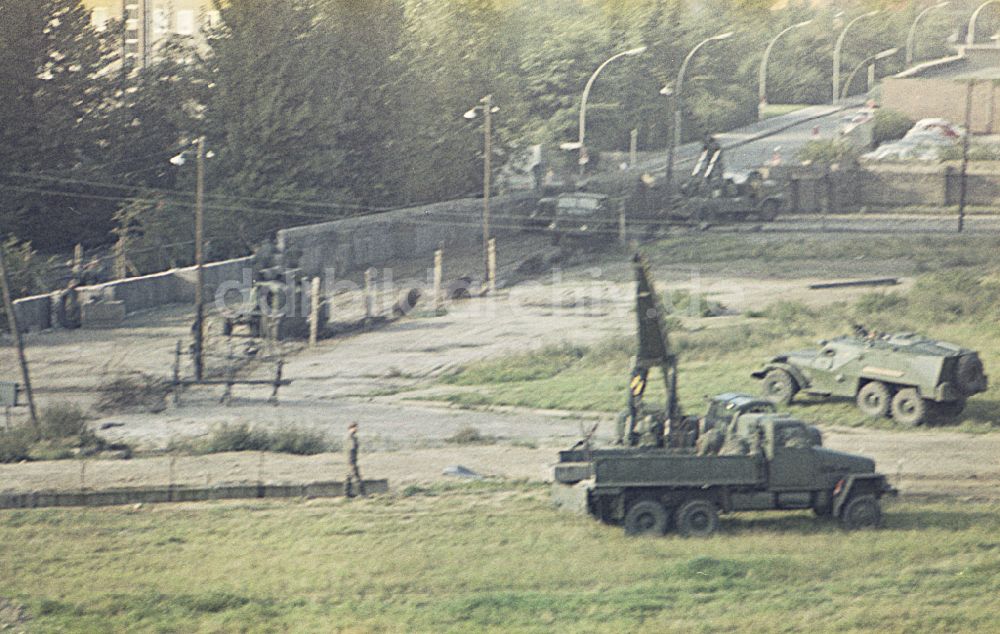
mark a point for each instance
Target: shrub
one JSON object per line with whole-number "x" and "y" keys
{"x": 132, "y": 391}
{"x": 15, "y": 444}
{"x": 872, "y": 303}
{"x": 890, "y": 125}
{"x": 63, "y": 420}
{"x": 828, "y": 152}
{"x": 242, "y": 437}
{"x": 470, "y": 436}
{"x": 954, "y": 294}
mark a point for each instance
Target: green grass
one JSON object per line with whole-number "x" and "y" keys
{"x": 778, "y": 109}
{"x": 492, "y": 557}
{"x": 953, "y": 304}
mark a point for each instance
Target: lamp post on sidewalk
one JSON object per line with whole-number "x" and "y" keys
{"x": 970, "y": 36}
{"x": 911, "y": 37}
{"x": 678, "y": 93}
{"x": 839, "y": 47}
{"x": 581, "y": 139}
{"x": 762, "y": 75}
{"x": 486, "y": 106}
{"x": 199, "y": 252}
{"x": 870, "y": 59}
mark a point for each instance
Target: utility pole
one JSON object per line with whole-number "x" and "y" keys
{"x": 18, "y": 342}
{"x": 199, "y": 261}
{"x": 488, "y": 124}
{"x": 962, "y": 185}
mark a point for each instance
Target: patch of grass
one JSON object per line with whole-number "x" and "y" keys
{"x": 488, "y": 556}
{"x": 531, "y": 366}
{"x": 63, "y": 420}
{"x": 242, "y": 437}
{"x": 778, "y": 109}
{"x": 721, "y": 359}
{"x": 16, "y": 443}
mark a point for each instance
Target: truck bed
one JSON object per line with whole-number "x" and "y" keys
{"x": 670, "y": 469}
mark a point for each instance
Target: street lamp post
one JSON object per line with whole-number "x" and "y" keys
{"x": 199, "y": 253}
{"x": 913, "y": 30}
{"x": 679, "y": 102}
{"x": 583, "y": 101}
{"x": 487, "y": 107}
{"x": 762, "y": 79}
{"x": 871, "y": 58}
{"x": 970, "y": 36}
{"x": 837, "y": 49}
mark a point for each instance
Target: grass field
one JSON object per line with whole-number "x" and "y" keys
{"x": 956, "y": 298}
{"x": 492, "y": 556}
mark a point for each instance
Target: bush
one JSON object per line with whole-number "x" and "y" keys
{"x": 873, "y": 303}
{"x": 63, "y": 420}
{"x": 15, "y": 444}
{"x": 242, "y": 437}
{"x": 955, "y": 294}
{"x": 890, "y": 125}
{"x": 828, "y": 153}
{"x": 132, "y": 391}
{"x": 470, "y": 436}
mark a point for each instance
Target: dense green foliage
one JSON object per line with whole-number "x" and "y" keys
{"x": 316, "y": 109}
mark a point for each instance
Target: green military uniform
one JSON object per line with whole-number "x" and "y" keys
{"x": 353, "y": 479}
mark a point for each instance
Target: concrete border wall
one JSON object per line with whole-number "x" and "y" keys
{"x": 356, "y": 243}
{"x": 161, "y": 494}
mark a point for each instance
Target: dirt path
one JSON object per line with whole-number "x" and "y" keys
{"x": 939, "y": 463}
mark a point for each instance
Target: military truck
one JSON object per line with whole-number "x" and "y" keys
{"x": 904, "y": 375}
{"x": 583, "y": 216}
{"x": 769, "y": 462}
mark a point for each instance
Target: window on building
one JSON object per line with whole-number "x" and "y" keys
{"x": 161, "y": 21}
{"x": 185, "y": 22}
{"x": 99, "y": 18}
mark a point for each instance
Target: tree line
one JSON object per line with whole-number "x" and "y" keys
{"x": 321, "y": 109}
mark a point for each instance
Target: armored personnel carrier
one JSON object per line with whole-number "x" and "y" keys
{"x": 904, "y": 375}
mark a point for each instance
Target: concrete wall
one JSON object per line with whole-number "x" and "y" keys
{"x": 356, "y": 243}
{"x": 812, "y": 190}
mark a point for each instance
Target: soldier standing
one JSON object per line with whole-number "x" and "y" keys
{"x": 353, "y": 474}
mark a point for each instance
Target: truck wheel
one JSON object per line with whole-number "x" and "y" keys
{"x": 969, "y": 373}
{"x": 697, "y": 518}
{"x": 646, "y": 517}
{"x": 908, "y": 408}
{"x": 874, "y": 399}
{"x": 860, "y": 512}
{"x": 779, "y": 387}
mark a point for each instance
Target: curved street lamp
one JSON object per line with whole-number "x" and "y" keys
{"x": 762, "y": 79}
{"x": 913, "y": 30}
{"x": 679, "y": 101}
{"x": 871, "y": 58}
{"x": 970, "y": 36}
{"x": 580, "y": 144}
{"x": 488, "y": 109}
{"x": 840, "y": 45}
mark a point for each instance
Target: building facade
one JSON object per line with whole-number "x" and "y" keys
{"x": 149, "y": 22}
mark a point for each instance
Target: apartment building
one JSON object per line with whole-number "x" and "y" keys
{"x": 148, "y": 22}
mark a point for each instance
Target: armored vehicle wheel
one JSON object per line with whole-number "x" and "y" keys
{"x": 779, "y": 387}
{"x": 227, "y": 327}
{"x": 697, "y": 518}
{"x": 908, "y": 408}
{"x": 860, "y": 512}
{"x": 646, "y": 517}
{"x": 874, "y": 399}
{"x": 969, "y": 374}
{"x": 948, "y": 410}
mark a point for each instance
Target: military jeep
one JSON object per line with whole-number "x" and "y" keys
{"x": 583, "y": 216}
{"x": 904, "y": 375}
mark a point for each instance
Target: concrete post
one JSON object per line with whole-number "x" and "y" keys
{"x": 77, "y": 261}
{"x": 369, "y": 294}
{"x": 633, "y": 147}
{"x": 315, "y": 302}
{"x": 491, "y": 264}
{"x": 120, "y": 272}
{"x": 438, "y": 273}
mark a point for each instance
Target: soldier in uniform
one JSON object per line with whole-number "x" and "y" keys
{"x": 353, "y": 479}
